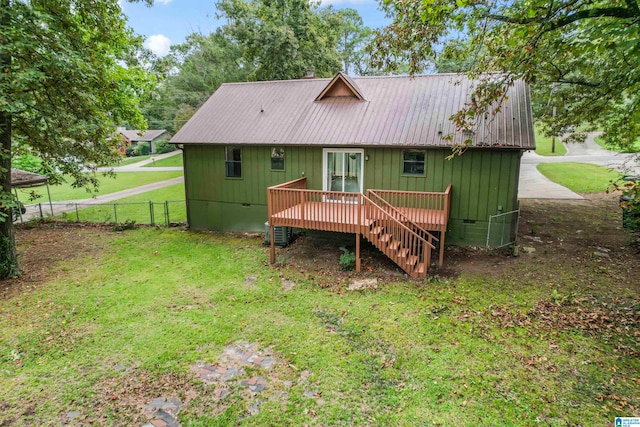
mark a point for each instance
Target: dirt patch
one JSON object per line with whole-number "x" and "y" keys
{"x": 41, "y": 248}
{"x": 562, "y": 239}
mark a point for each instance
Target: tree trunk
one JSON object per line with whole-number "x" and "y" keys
{"x": 8, "y": 256}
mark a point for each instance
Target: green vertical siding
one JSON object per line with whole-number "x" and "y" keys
{"x": 483, "y": 181}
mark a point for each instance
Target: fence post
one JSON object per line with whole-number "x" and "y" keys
{"x": 166, "y": 211}
{"x": 115, "y": 212}
{"x": 151, "y": 213}
{"x": 40, "y": 207}
{"x": 77, "y": 214}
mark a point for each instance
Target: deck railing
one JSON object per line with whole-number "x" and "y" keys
{"x": 398, "y": 215}
{"x": 378, "y": 216}
{"x": 418, "y": 200}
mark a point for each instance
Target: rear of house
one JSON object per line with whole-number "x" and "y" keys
{"x": 352, "y": 135}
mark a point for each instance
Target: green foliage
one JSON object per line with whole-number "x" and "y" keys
{"x": 203, "y": 62}
{"x": 69, "y": 75}
{"x": 580, "y": 177}
{"x": 130, "y": 151}
{"x": 347, "y": 260}
{"x": 27, "y": 162}
{"x": 281, "y": 39}
{"x": 633, "y": 148}
{"x": 163, "y": 147}
{"x": 590, "y": 50}
{"x": 142, "y": 149}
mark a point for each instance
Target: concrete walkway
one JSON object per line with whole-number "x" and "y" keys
{"x": 534, "y": 185}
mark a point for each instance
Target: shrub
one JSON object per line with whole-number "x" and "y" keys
{"x": 142, "y": 149}
{"x": 130, "y": 151}
{"x": 347, "y": 260}
{"x": 163, "y": 146}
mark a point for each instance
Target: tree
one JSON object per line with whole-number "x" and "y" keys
{"x": 280, "y": 38}
{"x": 352, "y": 38}
{"x": 69, "y": 76}
{"x": 589, "y": 48}
{"x": 191, "y": 72}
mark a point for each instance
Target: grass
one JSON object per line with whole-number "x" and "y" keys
{"x": 109, "y": 333}
{"x": 122, "y": 181}
{"x": 579, "y": 177}
{"x": 140, "y": 213}
{"x": 634, "y": 149}
{"x": 172, "y": 161}
{"x": 131, "y": 160}
{"x": 543, "y": 145}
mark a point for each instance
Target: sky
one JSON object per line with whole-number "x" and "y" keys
{"x": 168, "y": 22}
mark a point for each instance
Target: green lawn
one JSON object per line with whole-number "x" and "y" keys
{"x": 132, "y": 160}
{"x": 130, "y": 320}
{"x": 175, "y": 160}
{"x": 141, "y": 211}
{"x": 543, "y": 145}
{"x": 122, "y": 181}
{"x": 579, "y": 177}
{"x": 634, "y": 149}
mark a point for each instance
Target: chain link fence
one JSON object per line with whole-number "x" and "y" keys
{"x": 503, "y": 229}
{"x": 153, "y": 213}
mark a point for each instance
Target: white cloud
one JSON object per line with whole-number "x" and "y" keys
{"x": 158, "y": 44}
{"x": 164, "y": 1}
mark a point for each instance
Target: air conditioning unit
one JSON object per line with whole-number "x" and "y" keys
{"x": 282, "y": 235}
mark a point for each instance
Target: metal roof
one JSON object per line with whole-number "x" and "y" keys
{"x": 150, "y": 135}
{"x": 20, "y": 178}
{"x": 398, "y": 111}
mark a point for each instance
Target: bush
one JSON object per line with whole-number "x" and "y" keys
{"x": 142, "y": 149}
{"x": 130, "y": 151}
{"x": 163, "y": 146}
{"x": 347, "y": 260}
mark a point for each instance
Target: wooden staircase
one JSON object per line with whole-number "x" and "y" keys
{"x": 403, "y": 241}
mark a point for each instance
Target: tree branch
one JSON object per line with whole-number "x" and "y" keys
{"x": 613, "y": 12}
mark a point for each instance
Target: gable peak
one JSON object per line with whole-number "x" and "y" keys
{"x": 341, "y": 86}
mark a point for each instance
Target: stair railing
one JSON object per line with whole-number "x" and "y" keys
{"x": 400, "y": 216}
{"x": 416, "y": 245}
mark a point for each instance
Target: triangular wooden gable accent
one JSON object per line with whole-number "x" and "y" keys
{"x": 341, "y": 86}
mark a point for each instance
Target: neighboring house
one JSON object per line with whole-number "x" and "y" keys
{"x": 323, "y": 145}
{"x": 133, "y": 137}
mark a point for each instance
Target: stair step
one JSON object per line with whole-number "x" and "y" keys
{"x": 394, "y": 245}
{"x": 385, "y": 237}
{"x": 412, "y": 260}
{"x": 376, "y": 230}
{"x": 421, "y": 268}
{"x": 403, "y": 253}
{"x": 368, "y": 222}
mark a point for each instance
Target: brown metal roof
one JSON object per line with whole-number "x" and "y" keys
{"x": 150, "y": 135}
{"x": 20, "y": 178}
{"x": 396, "y": 111}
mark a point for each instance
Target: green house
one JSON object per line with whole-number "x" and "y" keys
{"x": 270, "y": 150}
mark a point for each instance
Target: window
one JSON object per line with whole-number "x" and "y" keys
{"x": 277, "y": 159}
{"x": 233, "y": 162}
{"x": 413, "y": 162}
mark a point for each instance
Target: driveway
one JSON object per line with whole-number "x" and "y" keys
{"x": 534, "y": 185}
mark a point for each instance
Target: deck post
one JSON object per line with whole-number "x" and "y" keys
{"x": 358, "y": 252}
{"x": 272, "y": 242}
{"x": 441, "y": 258}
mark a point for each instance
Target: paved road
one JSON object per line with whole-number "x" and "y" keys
{"x": 534, "y": 185}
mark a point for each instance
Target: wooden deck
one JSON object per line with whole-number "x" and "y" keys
{"x": 398, "y": 223}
